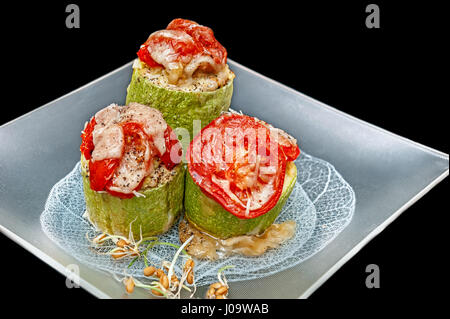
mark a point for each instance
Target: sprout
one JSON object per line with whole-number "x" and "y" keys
{"x": 219, "y": 290}
{"x": 168, "y": 285}
{"x": 170, "y": 272}
{"x": 126, "y": 247}
{"x": 223, "y": 280}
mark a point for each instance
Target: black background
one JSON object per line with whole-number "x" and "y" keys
{"x": 391, "y": 77}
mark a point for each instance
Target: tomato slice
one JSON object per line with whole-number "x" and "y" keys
{"x": 87, "y": 143}
{"x": 122, "y": 195}
{"x": 177, "y": 45}
{"x": 144, "y": 56}
{"x": 202, "y": 35}
{"x": 136, "y": 158}
{"x": 174, "y": 151}
{"x": 182, "y": 25}
{"x": 290, "y": 151}
{"x": 201, "y": 40}
{"x": 235, "y": 161}
{"x": 211, "y": 46}
{"x": 124, "y": 175}
{"x": 287, "y": 143}
{"x": 101, "y": 172}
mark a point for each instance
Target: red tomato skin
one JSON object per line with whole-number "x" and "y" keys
{"x": 101, "y": 172}
{"x": 204, "y": 36}
{"x": 204, "y": 40}
{"x": 133, "y": 133}
{"x": 171, "y": 144}
{"x": 87, "y": 143}
{"x": 291, "y": 152}
{"x": 203, "y": 179}
{"x": 182, "y": 47}
{"x": 122, "y": 195}
{"x": 145, "y": 57}
{"x": 238, "y": 211}
{"x": 181, "y": 24}
{"x": 210, "y": 45}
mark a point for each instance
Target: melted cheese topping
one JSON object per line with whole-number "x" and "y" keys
{"x": 178, "y": 66}
{"x": 108, "y": 139}
{"x": 200, "y": 60}
{"x": 108, "y": 142}
{"x": 257, "y": 193}
{"x": 163, "y": 53}
{"x": 225, "y": 185}
{"x": 132, "y": 169}
{"x": 108, "y": 115}
{"x": 152, "y": 122}
{"x": 157, "y": 175}
{"x": 257, "y": 196}
{"x": 107, "y": 135}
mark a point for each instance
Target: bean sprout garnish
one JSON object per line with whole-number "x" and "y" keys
{"x": 160, "y": 282}
{"x": 219, "y": 290}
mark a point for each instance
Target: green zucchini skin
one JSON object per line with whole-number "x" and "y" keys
{"x": 155, "y": 213}
{"x": 209, "y": 216}
{"x": 179, "y": 108}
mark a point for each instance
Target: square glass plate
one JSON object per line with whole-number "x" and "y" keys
{"x": 388, "y": 173}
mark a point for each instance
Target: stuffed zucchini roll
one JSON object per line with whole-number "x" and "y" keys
{"x": 182, "y": 71}
{"x": 240, "y": 174}
{"x": 132, "y": 176}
